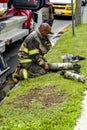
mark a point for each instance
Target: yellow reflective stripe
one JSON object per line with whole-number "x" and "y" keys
{"x": 25, "y": 49}
{"x": 24, "y": 60}
{"x": 25, "y": 73}
{"x": 33, "y": 52}
{"x": 44, "y": 56}
{"x": 40, "y": 62}
{"x": 49, "y": 44}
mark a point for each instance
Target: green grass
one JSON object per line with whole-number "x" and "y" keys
{"x": 60, "y": 116}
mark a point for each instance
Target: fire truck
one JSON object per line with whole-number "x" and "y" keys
{"x": 16, "y": 20}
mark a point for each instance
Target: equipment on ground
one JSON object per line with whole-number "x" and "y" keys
{"x": 64, "y": 66}
{"x": 71, "y": 58}
{"x": 73, "y": 76}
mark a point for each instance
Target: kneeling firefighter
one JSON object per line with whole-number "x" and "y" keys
{"x": 31, "y": 55}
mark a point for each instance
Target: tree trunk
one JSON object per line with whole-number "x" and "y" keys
{"x": 78, "y": 13}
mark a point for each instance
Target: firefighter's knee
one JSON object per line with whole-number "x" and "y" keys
{"x": 24, "y": 74}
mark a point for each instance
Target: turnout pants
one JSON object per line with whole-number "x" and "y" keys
{"x": 33, "y": 70}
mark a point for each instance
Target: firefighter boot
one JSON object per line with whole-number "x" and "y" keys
{"x": 19, "y": 74}
{"x": 15, "y": 75}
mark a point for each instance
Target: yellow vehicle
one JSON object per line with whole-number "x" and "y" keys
{"x": 63, "y": 7}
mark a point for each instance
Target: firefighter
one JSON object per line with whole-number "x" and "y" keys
{"x": 31, "y": 56}
{"x": 32, "y": 51}
{"x": 47, "y": 13}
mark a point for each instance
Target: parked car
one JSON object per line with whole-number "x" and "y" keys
{"x": 63, "y": 7}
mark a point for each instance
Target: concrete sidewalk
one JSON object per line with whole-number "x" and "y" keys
{"x": 82, "y": 121}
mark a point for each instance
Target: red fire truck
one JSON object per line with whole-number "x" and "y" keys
{"x": 16, "y": 22}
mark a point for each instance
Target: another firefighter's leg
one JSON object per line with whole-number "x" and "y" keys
{"x": 51, "y": 17}
{"x": 45, "y": 14}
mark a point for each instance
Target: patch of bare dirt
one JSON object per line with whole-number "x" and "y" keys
{"x": 46, "y": 96}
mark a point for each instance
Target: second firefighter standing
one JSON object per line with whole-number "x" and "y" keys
{"x": 47, "y": 13}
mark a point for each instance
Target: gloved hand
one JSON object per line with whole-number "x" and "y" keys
{"x": 46, "y": 66}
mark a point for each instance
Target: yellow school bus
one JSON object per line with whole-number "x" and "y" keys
{"x": 63, "y": 7}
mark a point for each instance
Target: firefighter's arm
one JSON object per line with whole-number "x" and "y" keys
{"x": 42, "y": 61}
{"x": 39, "y": 59}
{"x": 50, "y": 4}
